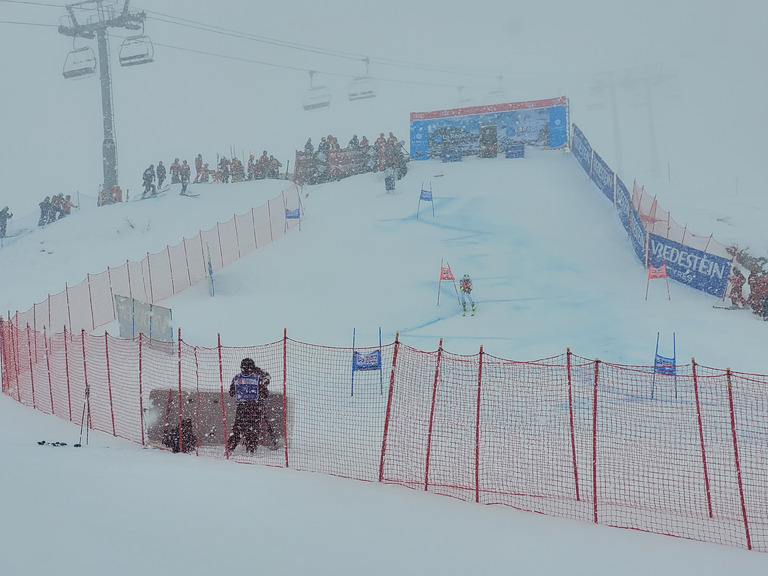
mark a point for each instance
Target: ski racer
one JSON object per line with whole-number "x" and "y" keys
{"x": 160, "y": 174}
{"x": 465, "y": 288}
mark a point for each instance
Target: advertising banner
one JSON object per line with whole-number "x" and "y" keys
{"x": 623, "y": 200}
{"x": 602, "y": 176}
{"x": 637, "y": 234}
{"x": 700, "y": 270}
{"x": 581, "y": 149}
{"x": 539, "y": 124}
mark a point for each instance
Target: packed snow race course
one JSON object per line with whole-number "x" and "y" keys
{"x": 552, "y": 268}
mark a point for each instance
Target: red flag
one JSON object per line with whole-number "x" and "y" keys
{"x": 445, "y": 273}
{"x": 660, "y": 272}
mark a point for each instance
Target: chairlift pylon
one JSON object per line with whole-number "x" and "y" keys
{"x": 136, "y": 50}
{"x": 316, "y": 97}
{"x": 363, "y": 86}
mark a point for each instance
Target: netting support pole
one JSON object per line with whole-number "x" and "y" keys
{"x": 186, "y": 260}
{"x": 170, "y": 268}
{"x": 223, "y": 409}
{"x": 701, "y": 437}
{"x": 48, "y": 367}
{"x": 389, "y": 407}
{"x": 237, "y": 237}
{"x": 90, "y": 300}
{"x": 181, "y": 406}
{"x": 432, "y": 414}
{"x": 477, "y": 425}
{"x": 151, "y": 290}
{"x": 285, "y": 393}
{"x": 572, "y": 427}
{"x": 197, "y": 408}
{"x": 269, "y": 215}
{"x": 221, "y": 248}
{"x": 737, "y": 459}
{"x": 66, "y": 370}
{"x": 85, "y": 378}
{"x": 69, "y": 308}
{"x": 31, "y": 371}
{"x": 594, "y": 442}
{"x": 109, "y": 383}
{"x": 141, "y": 386}
{"x": 253, "y": 222}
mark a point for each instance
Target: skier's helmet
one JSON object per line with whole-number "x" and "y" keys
{"x": 466, "y": 276}
{"x": 247, "y": 366}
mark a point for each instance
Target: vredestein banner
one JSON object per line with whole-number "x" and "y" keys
{"x": 701, "y": 270}
{"x": 581, "y": 149}
{"x": 602, "y": 176}
{"x": 537, "y": 123}
{"x": 623, "y": 201}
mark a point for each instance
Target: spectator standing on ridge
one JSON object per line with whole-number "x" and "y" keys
{"x": 308, "y": 147}
{"x": 380, "y": 145}
{"x": 185, "y": 176}
{"x": 149, "y": 178}
{"x": 175, "y": 171}
{"x": 262, "y": 165}
{"x": 274, "y": 167}
{"x": 250, "y": 390}
{"x": 251, "y": 168}
{"x": 160, "y": 174}
{"x": 5, "y": 215}
{"x": 737, "y": 284}
{"x": 465, "y": 288}
{"x": 198, "y": 168}
{"x": 45, "y": 211}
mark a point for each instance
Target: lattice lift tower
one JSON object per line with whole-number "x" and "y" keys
{"x": 101, "y": 15}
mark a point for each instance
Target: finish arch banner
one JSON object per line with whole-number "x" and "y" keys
{"x": 538, "y": 123}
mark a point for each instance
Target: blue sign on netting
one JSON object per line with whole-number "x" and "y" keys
{"x": 701, "y": 270}
{"x": 292, "y": 214}
{"x": 246, "y": 387}
{"x": 426, "y": 195}
{"x": 637, "y": 234}
{"x": 370, "y": 361}
{"x": 623, "y": 200}
{"x": 663, "y": 365}
{"x": 581, "y": 149}
{"x": 602, "y": 176}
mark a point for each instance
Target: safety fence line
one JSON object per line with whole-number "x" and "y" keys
{"x": 158, "y": 276}
{"x": 679, "y": 454}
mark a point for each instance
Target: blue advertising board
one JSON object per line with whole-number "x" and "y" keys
{"x": 623, "y": 201}
{"x": 700, "y": 270}
{"x": 637, "y": 234}
{"x": 581, "y": 149}
{"x": 602, "y": 176}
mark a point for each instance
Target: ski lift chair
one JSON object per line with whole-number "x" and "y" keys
{"x": 136, "y": 50}
{"x": 361, "y": 88}
{"x": 80, "y": 63}
{"x": 317, "y": 97}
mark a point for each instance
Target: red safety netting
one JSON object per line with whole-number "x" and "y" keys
{"x": 159, "y": 276}
{"x": 680, "y": 453}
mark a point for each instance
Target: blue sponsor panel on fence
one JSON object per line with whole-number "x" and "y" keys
{"x": 637, "y": 234}
{"x": 623, "y": 201}
{"x": 602, "y": 176}
{"x": 700, "y": 270}
{"x": 581, "y": 148}
{"x": 419, "y": 140}
{"x": 540, "y": 123}
{"x": 515, "y": 151}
